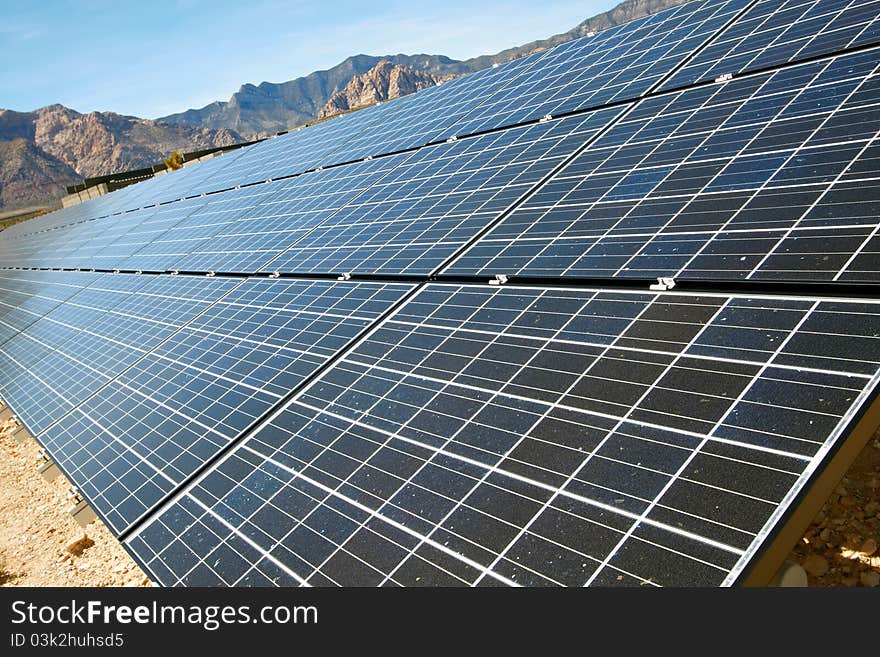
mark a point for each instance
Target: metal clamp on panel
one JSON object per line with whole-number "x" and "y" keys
{"x": 345, "y": 277}
{"x": 274, "y": 274}
{"x": 727, "y": 77}
{"x": 452, "y": 139}
{"x": 368, "y": 158}
{"x": 500, "y": 279}
{"x": 210, "y": 274}
{"x": 545, "y": 118}
{"x": 662, "y": 284}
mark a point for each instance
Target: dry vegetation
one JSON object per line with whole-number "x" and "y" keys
{"x": 41, "y": 545}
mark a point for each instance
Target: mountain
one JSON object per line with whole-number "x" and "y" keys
{"x": 29, "y": 175}
{"x": 267, "y": 108}
{"x": 99, "y": 143}
{"x": 382, "y": 82}
{"x": 54, "y": 146}
{"x": 44, "y": 150}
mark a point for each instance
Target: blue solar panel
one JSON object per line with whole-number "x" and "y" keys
{"x": 765, "y": 177}
{"x": 622, "y": 63}
{"x": 532, "y": 436}
{"x": 436, "y": 200}
{"x": 775, "y": 32}
{"x": 132, "y": 406}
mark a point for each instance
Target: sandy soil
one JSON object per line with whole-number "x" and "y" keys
{"x": 41, "y": 545}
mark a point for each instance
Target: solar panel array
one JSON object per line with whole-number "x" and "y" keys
{"x": 416, "y": 345}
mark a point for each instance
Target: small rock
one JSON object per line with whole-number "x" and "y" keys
{"x": 869, "y": 547}
{"x": 816, "y": 565}
{"x": 870, "y": 578}
{"x": 77, "y": 547}
{"x": 121, "y": 568}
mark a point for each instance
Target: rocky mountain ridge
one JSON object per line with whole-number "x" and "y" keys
{"x": 63, "y": 145}
{"x": 384, "y": 81}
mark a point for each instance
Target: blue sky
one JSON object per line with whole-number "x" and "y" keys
{"x": 155, "y": 57}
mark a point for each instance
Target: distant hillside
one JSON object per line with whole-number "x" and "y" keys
{"x": 30, "y": 176}
{"x": 54, "y": 146}
{"x": 382, "y": 82}
{"x": 268, "y": 108}
{"x": 44, "y": 150}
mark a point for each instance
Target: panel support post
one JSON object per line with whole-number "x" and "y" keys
{"x": 21, "y": 435}
{"x": 81, "y": 512}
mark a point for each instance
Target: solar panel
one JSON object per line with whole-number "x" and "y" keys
{"x": 96, "y": 335}
{"x": 27, "y": 296}
{"x": 618, "y": 64}
{"x": 533, "y": 436}
{"x": 775, "y": 32}
{"x": 245, "y": 240}
{"x": 189, "y": 377}
{"x": 431, "y": 421}
{"x": 436, "y": 200}
{"x": 766, "y": 177}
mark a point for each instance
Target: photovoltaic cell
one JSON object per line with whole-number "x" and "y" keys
{"x": 775, "y": 32}
{"x": 183, "y": 390}
{"x": 621, "y": 63}
{"x": 768, "y": 177}
{"x": 532, "y": 436}
{"x": 479, "y": 434}
{"x": 436, "y": 200}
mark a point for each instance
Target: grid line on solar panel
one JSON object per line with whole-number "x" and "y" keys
{"x": 27, "y": 296}
{"x": 86, "y": 342}
{"x": 184, "y": 397}
{"x": 762, "y": 177}
{"x": 775, "y": 32}
{"x": 431, "y": 204}
{"x": 484, "y": 420}
{"x": 618, "y": 64}
{"x": 259, "y": 234}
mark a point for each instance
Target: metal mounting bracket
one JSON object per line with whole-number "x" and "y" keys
{"x": 500, "y": 279}
{"x": 662, "y": 284}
